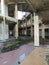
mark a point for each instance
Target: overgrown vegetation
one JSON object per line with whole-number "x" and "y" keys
{"x": 15, "y": 44}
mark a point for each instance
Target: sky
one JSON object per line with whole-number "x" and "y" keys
{"x": 20, "y": 14}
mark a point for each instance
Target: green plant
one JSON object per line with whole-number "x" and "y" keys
{"x": 15, "y": 44}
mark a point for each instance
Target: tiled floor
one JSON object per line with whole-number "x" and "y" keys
{"x": 29, "y": 54}
{"x": 11, "y": 58}
{"x": 37, "y": 57}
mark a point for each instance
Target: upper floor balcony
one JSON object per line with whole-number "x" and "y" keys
{"x": 4, "y": 12}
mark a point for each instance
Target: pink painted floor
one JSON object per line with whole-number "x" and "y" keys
{"x": 9, "y": 57}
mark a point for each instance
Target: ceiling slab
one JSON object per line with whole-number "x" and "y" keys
{"x": 39, "y": 6}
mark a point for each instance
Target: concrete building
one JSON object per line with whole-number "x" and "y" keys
{"x": 38, "y": 19}
{"x": 8, "y": 20}
{"x": 34, "y": 24}
{"x": 28, "y": 22}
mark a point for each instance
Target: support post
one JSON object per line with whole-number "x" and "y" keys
{"x": 3, "y": 7}
{"x": 43, "y": 31}
{"x": 16, "y": 25}
{"x": 36, "y": 30}
{"x": 31, "y": 26}
{"x": 26, "y": 27}
{"x": 3, "y": 30}
{"x": 3, "y": 22}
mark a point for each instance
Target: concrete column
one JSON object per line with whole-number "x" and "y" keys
{"x": 3, "y": 7}
{"x": 31, "y": 26}
{"x": 3, "y": 31}
{"x": 43, "y": 31}
{"x": 16, "y": 17}
{"x": 6, "y": 9}
{"x": 36, "y": 30}
{"x": 3, "y": 22}
{"x": 26, "y": 26}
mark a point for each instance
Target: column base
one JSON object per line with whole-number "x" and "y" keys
{"x": 36, "y": 46}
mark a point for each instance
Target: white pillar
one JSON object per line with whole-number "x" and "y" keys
{"x": 3, "y": 22}
{"x": 36, "y": 30}
{"x": 3, "y": 30}
{"x": 43, "y": 31}
{"x": 3, "y": 7}
{"x": 16, "y": 16}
